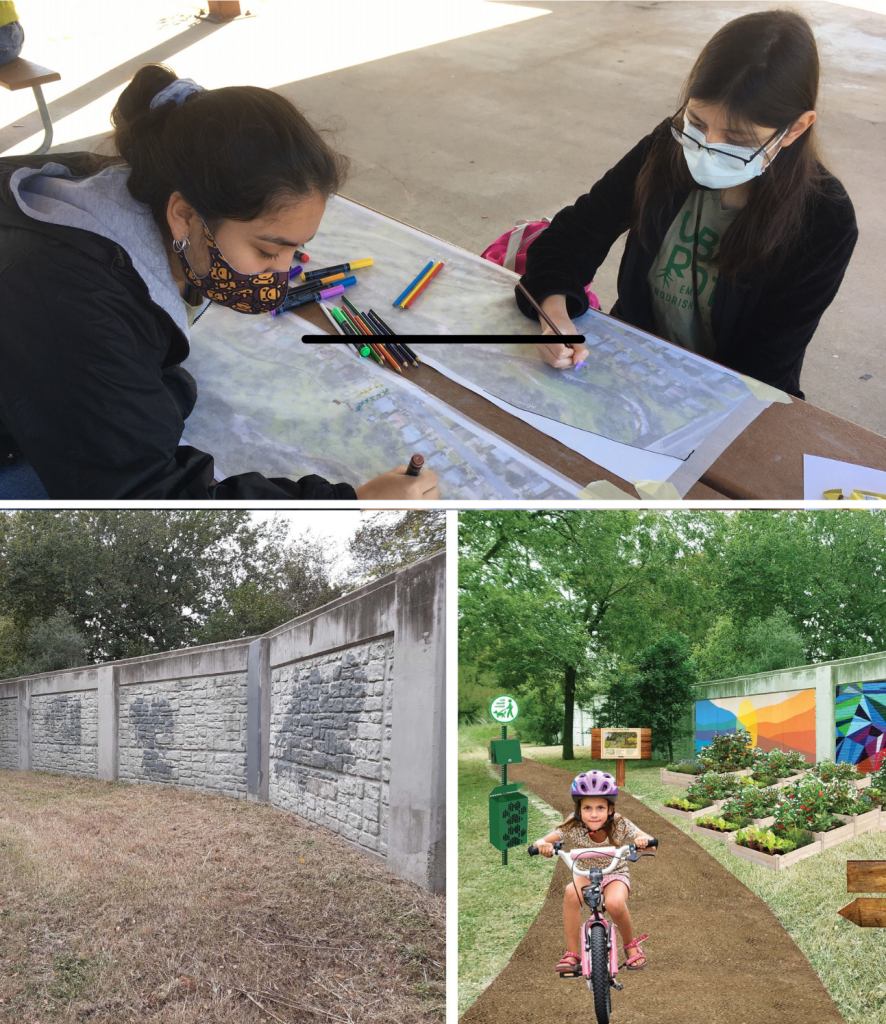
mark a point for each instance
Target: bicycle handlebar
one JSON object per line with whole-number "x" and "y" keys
{"x": 571, "y": 862}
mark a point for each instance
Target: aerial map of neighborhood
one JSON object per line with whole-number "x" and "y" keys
{"x": 635, "y": 388}
{"x": 271, "y": 404}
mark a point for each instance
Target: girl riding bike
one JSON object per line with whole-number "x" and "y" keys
{"x": 594, "y": 822}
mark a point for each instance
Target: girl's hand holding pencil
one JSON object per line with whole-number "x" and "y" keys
{"x": 398, "y": 484}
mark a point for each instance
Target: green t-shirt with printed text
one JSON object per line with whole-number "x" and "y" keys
{"x": 684, "y": 274}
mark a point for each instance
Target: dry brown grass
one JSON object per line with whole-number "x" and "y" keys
{"x": 124, "y": 903}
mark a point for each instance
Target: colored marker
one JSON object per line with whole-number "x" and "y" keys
{"x": 303, "y": 298}
{"x": 302, "y": 255}
{"x": 410, "y": 299}
{"x": 331, "y": 319}
{"x": 312, "y": 275}
{"x": 415, "y": 465}
{"x": 407, "y": 290}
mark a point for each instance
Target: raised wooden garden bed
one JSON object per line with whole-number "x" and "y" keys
{"x": 712, "y": 833}
{"x": 683, "y": 779}
{"x": 836, "y": 835}
{"x": 692, "y": 815}
{"x": 741, "y": 772}
{"x": 778, "y": 861}
{"x": 863, "y": 783}
{"x": 790, "y": 780}
{"x": 867, "y": 822}
{"x": 764, "y": 822}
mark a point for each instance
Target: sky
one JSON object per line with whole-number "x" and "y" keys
{"x": 338, "y": 525}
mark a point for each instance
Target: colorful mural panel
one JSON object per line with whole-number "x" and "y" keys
{"x": 861, "y": 724}
{"x": 783, "y": 720}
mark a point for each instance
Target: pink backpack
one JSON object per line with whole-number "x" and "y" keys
{"x": 509, "y": 250}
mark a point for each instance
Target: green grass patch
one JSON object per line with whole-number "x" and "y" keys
{"x": 804, "y": 897}
{"x": 496, "y": 904}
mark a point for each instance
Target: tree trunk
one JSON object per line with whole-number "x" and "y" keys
{"x": 568, "y": 712}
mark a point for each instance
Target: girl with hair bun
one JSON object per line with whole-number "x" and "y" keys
{"x": 104, "y": 265}
{"x": 738, "y": 236}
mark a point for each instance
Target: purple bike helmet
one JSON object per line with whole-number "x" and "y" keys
{"x": 594, "y": 784}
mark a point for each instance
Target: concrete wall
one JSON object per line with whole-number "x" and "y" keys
{"x": 337, "y": 716}
{"x": 823, "y": 678}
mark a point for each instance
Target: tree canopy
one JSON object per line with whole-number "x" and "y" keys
{"x": 569, "y": 600}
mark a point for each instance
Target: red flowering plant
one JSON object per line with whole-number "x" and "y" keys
{"x": 728, "y": 751}
{"x": 707, "y": 788}
{"x": 806, "y": 805}
{"x": 828, "y": 770}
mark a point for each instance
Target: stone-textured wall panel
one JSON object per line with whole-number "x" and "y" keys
{"x": 187, "y": 732}
{"x": 64, "y": 732}
{"x": 330, "y": 740}
{"x": 9, "y": 732}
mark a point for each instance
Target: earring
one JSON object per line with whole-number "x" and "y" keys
{"x": 183, "y": 246}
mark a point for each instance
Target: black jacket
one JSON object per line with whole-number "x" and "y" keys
{"x": 761, "y": 328}
{"x": 92, "y": 391}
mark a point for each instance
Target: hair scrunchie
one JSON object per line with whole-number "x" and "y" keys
{"x": 177, "y": 91}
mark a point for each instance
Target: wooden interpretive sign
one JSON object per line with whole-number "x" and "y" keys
{"x": 866, "y": 876}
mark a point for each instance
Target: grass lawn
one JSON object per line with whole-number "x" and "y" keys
{"x": 496, "y": 904}
{"x": 805, "y": 898}
{"x": 127, "y": 903}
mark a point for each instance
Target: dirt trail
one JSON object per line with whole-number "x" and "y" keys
{"x": 717, "y": 954}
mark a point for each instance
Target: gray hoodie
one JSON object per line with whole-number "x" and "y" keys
{"x": 101, "y": 203}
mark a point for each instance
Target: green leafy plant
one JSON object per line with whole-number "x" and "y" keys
{"x": 721, "y": 824}
{"x": 687, "y": 768}
{"x": 750, "y": 803}
{"x": 806, "y": 804}
{"x": 764, "y": 840}
{"x": 685, "y": 805}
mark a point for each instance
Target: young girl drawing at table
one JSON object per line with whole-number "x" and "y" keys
{"x": 595, "y": 822}
{"x": 738, "y": 237}
{"x": 105, "y": 263}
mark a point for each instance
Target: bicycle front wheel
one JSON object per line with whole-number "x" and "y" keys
{"x": 598, "y": 983}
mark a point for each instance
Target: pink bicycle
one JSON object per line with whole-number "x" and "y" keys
{"x": 599, "y": 955}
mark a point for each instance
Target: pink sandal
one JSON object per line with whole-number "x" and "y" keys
{"x": 570, "y": 963}
{"x": 629, "y": 961}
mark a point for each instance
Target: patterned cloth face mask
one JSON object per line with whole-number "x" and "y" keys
{"x": 245, "y": 293}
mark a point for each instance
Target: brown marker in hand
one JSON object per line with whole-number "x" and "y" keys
{"x": 415, "y": 465}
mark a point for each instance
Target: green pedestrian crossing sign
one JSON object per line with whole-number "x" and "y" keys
{"x": 504, "y": 709}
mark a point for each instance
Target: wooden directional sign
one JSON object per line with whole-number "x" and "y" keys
{"x": 866, "y": 912}
{"x": 866, "y": 876}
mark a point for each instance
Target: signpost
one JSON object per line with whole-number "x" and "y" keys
{"x": 619, "y": 744}
{"x": 866, "y": 876}
{"x": 508, "y": 809}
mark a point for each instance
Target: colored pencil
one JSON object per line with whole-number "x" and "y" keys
{"x": 408, "y": 303}
{"x": 342, "y": 322}
{"x": 356, "y": 314}
{"x": 540, "y": 311}
{"x": 380, "y": 327}
{"x": 418, "y": 286}
{"x": 393, "y": 362}
{"x": 331, "y": 318}
{"x": 409, "y": 350}
{"x": 379, "y": 319}
{"x": 407, "y": 290}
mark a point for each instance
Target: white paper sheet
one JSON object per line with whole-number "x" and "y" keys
{"x": 820, "y": 475}
{"x": 271, "y": 404}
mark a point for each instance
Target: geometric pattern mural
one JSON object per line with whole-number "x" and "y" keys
{"x": 861, "y": 724}
{"x": 785, "y": 720}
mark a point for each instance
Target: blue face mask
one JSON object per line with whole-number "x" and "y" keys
{"x": 722, "y": 166}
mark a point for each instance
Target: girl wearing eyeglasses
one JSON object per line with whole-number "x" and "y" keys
{"x": 738, "y": 236}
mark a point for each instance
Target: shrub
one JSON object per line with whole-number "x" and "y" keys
{"x": 828, "y": 770}
{"x": 878, "y": 776}
{"x": 707, "y": 788}
{"x": 877, "y": 796}
{"x": 728, "y": 751}
{"x": 844, "y": 798}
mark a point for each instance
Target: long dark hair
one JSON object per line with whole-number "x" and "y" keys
{"x": 236, "y": 153}
{"x": 763, "y": 68}
{"x": 574, "y": 819}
